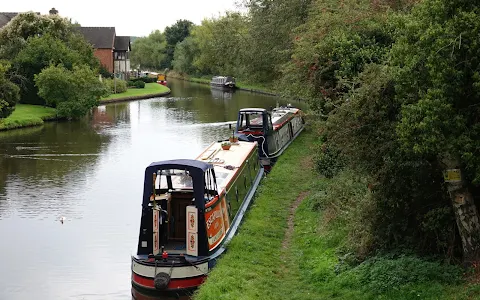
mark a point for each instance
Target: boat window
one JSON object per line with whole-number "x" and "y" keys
{"x": 249, "y": 120}
{"x": 181, "y": 180}
{"x": 211, "y": 190}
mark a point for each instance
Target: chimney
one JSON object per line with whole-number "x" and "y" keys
{"x": 53, "y": 11}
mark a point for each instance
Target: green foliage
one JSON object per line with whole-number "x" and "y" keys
{"x": 185, "y": 53}
{"x": 112, "y": 85}
{"x": 218, "y": 45}
{"x": 104, "y": 72}
{"x": 173, "y": 35}
{"x": 149, "y": 52}
{"x": 32, "y": 42}
{"x": 329, "y": 161}
{"x": 332, "y": 48}
{"x": 139, "y": 84}
{"x": 9, "y": 92}
{"x": 438, "y": 79}
{"x": 73, "y": 93}
{"x": 383, "y": 274}
{"x": 271, "y": 34}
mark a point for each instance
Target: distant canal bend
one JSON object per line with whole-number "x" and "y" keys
{"x": 90, "y": 174}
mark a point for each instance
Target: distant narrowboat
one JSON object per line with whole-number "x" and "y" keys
{"x": 190, "y": 208}
{"x": 223, "y": 82}
{"x": 273, "y": 131}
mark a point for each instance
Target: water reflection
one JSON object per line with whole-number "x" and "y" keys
{"x": 90, "y": 172}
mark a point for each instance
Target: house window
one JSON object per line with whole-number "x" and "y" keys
{"x": 120, "y": 55}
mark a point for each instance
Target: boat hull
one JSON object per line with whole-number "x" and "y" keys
{"x": 222, "y": 87}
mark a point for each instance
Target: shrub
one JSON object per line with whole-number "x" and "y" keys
{"x": 9, "y": 93}
{"x": 383, "y": 274}
{"x": 139, "y": 84}
{"x": 115, "y": 84}
{"x": 73, "y": 93}
{"x": 131, "y": 83}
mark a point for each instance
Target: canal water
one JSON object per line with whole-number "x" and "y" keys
{"x": 89, "y": 173}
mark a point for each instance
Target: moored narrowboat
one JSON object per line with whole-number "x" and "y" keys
{"x": 226, "y": 83}
{"x": 190, "y": 208}
{"x": 272, "y": 130}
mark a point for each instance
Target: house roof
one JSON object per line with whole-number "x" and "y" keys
{"x": 122, "y": 43}
{"x": 5, "y": 17}
{"x": 99, "y": 37}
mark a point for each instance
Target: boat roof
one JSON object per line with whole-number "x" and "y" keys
{"x": 253, "y": 109}
{"x": 181, "y": 164}
{"x": 227, "y": 163}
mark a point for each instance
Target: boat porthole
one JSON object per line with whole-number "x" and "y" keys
{"x": 236, "y": 193}
{"x": 245, "y": 180}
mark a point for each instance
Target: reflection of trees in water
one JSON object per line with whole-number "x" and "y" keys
{"x": 44, "y": 167}
{"x": 215, "y": 105}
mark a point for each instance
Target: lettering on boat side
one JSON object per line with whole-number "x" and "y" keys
{"x": 215, "y": 215}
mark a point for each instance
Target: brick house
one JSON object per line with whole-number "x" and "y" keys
{"x": 113, "y": 51}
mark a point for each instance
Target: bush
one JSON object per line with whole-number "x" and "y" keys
{"x": 105, "y": 73}
{"x": 73, "y": 93}
{"x": 9, "y": 93}
{"x": 383, "y": 274}
{"x": 347, "y": 206}
{"x": 131, "y": 83}
{"x": 118, "y": 84}
{"x": 144, "y": 79}
{"x": 140, "y": 84}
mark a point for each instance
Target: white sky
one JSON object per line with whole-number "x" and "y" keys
{"x": 129, "y": 17}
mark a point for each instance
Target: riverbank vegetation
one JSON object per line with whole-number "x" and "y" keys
{"x": 45, "y": 60}
{"x": 150, "y": 89}
{"x": 393, "y": 92}
{"x": 294, "y": 243}
{"x": 26, "y": 115}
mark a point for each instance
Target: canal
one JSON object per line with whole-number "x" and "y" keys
{"x": 89, "y": 173}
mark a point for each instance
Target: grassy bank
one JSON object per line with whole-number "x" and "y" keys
{"x": 241, "y": 84}
{"x": 151, "y": 89}
{"x": 26, "y": 115}
{"x": 285, "y": 252}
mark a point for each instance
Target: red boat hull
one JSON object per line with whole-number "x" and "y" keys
{"x": 175, "y": 284}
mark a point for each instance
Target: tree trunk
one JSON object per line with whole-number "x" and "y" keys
{"x": 466, "y": 213}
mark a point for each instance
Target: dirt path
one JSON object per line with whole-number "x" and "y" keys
{"x": 291, "y": 216}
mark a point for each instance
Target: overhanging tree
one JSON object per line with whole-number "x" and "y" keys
{"x": 438, "y": 82}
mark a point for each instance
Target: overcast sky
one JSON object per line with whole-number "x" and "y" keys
{"x": 132, "y": 18}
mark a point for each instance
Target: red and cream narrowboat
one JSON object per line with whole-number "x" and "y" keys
{"x": 190, "y": 208}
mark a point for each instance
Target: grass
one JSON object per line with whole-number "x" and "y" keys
{"x": 150, "y": 89}
{"x": 260, "y": 265}
{"x": 28, "y": 115}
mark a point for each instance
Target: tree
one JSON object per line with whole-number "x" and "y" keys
{"x": 173, "y": 35}
{"x": 184, "y": 56}
{"x": 72, "y": 92}
{"x": 32, "y": 42}
{"x": 149, "y": 52}
{"x": 222, "y": 45}
{"x": 271, "y": 35}
{"x": 438, "y": 82}
{"x": 9, "y": 92}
